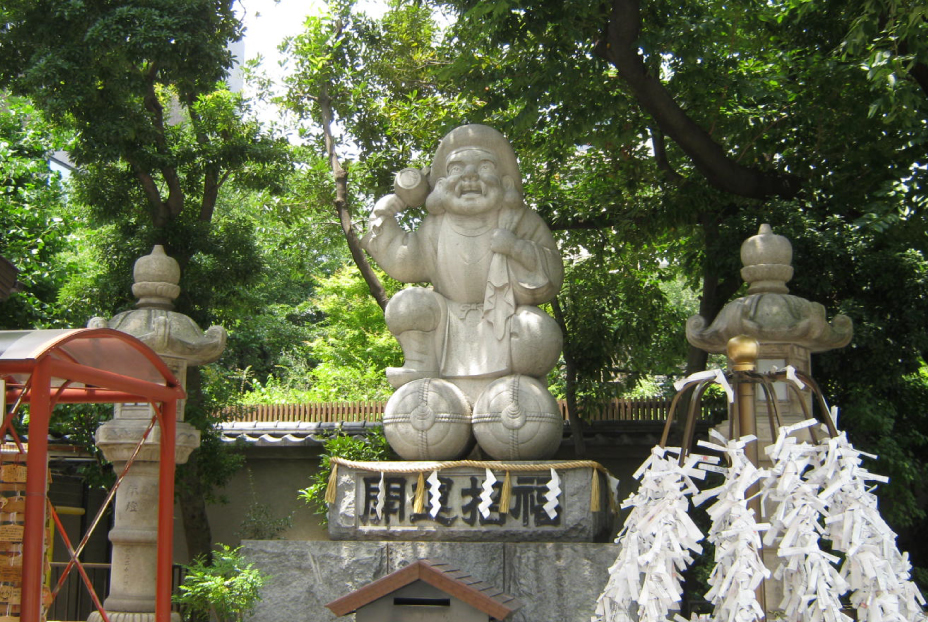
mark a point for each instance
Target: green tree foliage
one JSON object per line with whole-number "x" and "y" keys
{"x": 346, "y": 350}
{"x": 622, "y": 327}
{"x": 134, "y": 79}
{"x": 351, "y": 344}
{"x": 684, "y": 126}
{"x": 33, "y": 216}
{"x": 362, "y": 90}
{"x": 157, "y": 138}
{"x": 371, "y": 447}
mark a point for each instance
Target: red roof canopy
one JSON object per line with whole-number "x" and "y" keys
{"x": 99, "y": 365}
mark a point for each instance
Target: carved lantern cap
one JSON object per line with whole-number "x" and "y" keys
{"x": 156, "y": 280}
{"x": 767, "y": 259}
{"x": 165, "y": 331}
{"x": 769, "y": 313}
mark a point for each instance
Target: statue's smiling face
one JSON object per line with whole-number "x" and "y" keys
{"x": 472, "y": 183}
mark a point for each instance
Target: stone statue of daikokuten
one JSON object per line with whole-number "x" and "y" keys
{"x": 477, "y": 348}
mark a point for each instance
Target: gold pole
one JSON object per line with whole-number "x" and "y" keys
{"x": 742, "y": 352}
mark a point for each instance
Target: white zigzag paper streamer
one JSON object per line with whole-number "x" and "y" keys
{"x": 554, "y": 491}
{"x": 434, "y": 494}
{"x": 485, "y": 497}
{"x": 381, "y": 498}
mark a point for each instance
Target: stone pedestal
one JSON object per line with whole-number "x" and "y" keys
{"x": 355, "y": 516}
{"x": 556, "y": 581}
{"x": 180, "y": 343}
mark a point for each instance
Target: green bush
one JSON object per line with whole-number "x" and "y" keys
{"x": 224, "y": 590}
{"x": 372, "y": 447}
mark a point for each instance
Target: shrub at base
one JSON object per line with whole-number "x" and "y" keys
{"x": 228, "y": 588}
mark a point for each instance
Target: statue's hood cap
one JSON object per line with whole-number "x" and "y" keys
{"x": 478, "y": 137}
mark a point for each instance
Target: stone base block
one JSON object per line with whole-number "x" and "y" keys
{"x": 377, "y": 502}
{"x": 557, "y": 582}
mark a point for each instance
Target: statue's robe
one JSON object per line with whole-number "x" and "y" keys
{"x": 482, "y": 289}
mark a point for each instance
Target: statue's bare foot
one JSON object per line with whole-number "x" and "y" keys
{"x": 398, "y": 376}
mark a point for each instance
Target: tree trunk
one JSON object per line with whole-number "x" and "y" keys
{"x": 716, "y": 290}
{"x": 192, "y": 500}
{"x": 570, "y": 388}
{"x": 189, "y": 488}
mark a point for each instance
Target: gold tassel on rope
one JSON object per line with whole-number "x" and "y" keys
{"x": 418, "y": 505}
{"x": 331, "y": 489}
{"x": 505, "y": 495}
{"x": 594, "y": 492}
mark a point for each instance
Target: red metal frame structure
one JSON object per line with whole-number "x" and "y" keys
{"x": 48, "y": 367}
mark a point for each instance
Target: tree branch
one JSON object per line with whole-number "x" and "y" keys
{"x": 620, "y": 48}
{"x": 660, "y": 157}
{"x": 160, "y": 214}
{"x": 211, "y": 177}
{"x": 341, "y": 205}
{"x": 716, "y": 290}
{"x": 175, "y": 200}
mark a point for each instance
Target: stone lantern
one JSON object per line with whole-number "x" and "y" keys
{"x": 180, "y": 343}
{"x": 788, "y": 329}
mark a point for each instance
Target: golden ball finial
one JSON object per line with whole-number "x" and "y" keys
{"x": 742, "y": 352}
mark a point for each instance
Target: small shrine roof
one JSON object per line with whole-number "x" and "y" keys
{"x": 443, "y": 576}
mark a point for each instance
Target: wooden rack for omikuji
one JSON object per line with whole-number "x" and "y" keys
{"x": 13, "y": 476}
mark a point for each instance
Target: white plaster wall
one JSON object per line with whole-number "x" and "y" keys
{"x": 275, "y": 477}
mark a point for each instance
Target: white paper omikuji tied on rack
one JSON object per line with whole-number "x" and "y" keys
{"x": 655, "y": 542}
{"x": 877, "y": 573}
{"x": 711, "y": 374}
{"x": 811, "y": 583}
{"x": 792, "y": 377}
{"x": 735, "y": 533}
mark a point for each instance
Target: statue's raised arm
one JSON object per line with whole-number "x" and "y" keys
{"x": 490, "y": 260}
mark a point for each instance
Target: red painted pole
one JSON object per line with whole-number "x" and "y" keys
{"x": 168, "y": 421}
{"x": 36, "y": 485}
